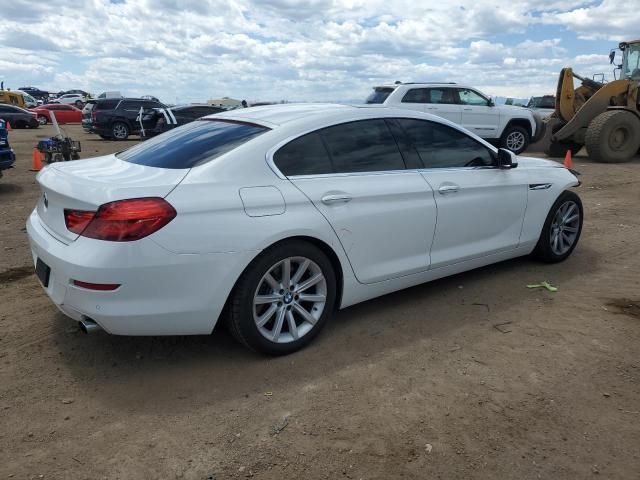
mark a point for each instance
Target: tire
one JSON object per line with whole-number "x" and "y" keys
{"x": 120, "y": 130}
{"x": 515, "y": 139}
{"x": 613, "y": 136}
{"x": 559, "y": 149}
{"x": 42, "y": 120}
{"x": 285, "y": 307}
{"x": 567, "y": 204}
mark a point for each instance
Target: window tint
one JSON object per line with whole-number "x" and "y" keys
{"x": 106, "y": 104}
{"x": 192, "y": 144}
{"x": 305, "y": 155}
{"x": 441, "y": 146}
{"x": 409, "y": 152}
{"x": 379, "y": 95}
{"x": 364, "y": 146}
{"x": 416, "y": 95}
{"x": 442, "y": 95}
{"x": 132, "y": 105}
{"x": 469, "y": 97}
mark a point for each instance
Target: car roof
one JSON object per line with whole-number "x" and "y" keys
{"x": 281, "y": 114}
{"x": 424, "y": 84}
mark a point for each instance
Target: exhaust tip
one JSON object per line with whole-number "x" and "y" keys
{"x": 88, "y": 326}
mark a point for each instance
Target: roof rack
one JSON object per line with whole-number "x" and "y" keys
{"x": 431, "y": 83}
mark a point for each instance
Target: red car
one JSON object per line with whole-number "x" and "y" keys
{"x": 64, "y": 113}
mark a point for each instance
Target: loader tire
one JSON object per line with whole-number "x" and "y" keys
{"x": 559, "y": 149}
{"x": 613, "y": 137}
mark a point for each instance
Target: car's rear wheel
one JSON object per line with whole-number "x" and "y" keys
{"x": 120, "y": 131}
{"x": 42, "y": 120}
{"x": 283, "y": 299}
{"x": 515, "y": 139}
{"x": 561, "y": 230}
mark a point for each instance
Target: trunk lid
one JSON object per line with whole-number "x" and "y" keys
{"x": 87, "y": 184}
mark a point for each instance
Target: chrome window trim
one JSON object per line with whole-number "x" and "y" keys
{"x": 271, "y": 151}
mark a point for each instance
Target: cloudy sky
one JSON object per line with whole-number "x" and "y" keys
{"x": 323, "y": 50}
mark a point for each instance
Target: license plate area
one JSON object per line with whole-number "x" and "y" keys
{"x": 43, "y": 272}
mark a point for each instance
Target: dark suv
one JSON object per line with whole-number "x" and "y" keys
{"x": 116, "y": 118}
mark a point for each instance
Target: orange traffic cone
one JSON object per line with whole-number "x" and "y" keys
{"x": 568, "y": 163}
{"x": 9, "y": 127}
{"x": 36, "y": 162}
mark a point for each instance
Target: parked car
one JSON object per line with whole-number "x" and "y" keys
{"x": 112, "y": 94}
{"x": 86, "y": 114}
{"x": 118, "y": 118}
{"x": 29, "y": 101}
{"x": 7, "y": 156}
{"x": 36, "y": 93}
{"x": 509, "y": 127}
{"x": 161, "y": 120}
{"x": 63, "y": 113}
{"x": 71, "y": 99}
{"x": 283, "y": 214}
{"x": 85, "y": 95}
{"x": 543, "y": 106}
{"x": 18, "y": 117}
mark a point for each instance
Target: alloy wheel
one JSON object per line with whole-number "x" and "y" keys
{"x": 289, "y": 300}
{"x": 515, "y": 141}
{"x": 120, "y": 131}
{"x": 564, "y": 228}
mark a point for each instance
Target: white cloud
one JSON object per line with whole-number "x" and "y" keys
{"x": 192, "y": 50}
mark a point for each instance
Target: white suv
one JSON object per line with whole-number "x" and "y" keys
{"x": 509, "y": 127}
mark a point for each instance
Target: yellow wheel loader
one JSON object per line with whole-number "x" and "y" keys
{"x": 604, "y": 117}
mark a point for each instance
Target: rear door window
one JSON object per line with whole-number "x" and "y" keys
{"x": 441, "y": 146}
{"x": 362, "y": 146}
{"x": 379, "y": 95}
{"x": 446, "y": 96}
{"x": 416, "y": 95}
{"x": 132, "y": 105}
{"x": 305, "y": 155}
{"x": 192, "y": 144}
{"x": 106, "y": 104}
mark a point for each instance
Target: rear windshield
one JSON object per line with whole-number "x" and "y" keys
{"x": 379, "y": 94}
{"x": 192, "y": 144}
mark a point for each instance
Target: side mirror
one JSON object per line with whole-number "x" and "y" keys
{"x": 491, "y": 102}
{"x": 612, "y": 56}
{"x": 507, "y": 159}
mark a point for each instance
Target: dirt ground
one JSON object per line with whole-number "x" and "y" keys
{"x": 470, "y": 377}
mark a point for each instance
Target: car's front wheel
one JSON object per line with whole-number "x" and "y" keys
{"x": 561, "y": 230}
{"x": 283, "y": 299}
{"x": 42, "y": 120}
{"x": 515, "y": 139}
{"x": 120, "y": 131}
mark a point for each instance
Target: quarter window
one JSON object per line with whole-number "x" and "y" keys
{"x": 364, "y": 146}
{"x": 441, "y": 146}
{"x": 305, "y": 155}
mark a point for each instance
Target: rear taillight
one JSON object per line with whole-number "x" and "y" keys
{"x": 93, "y": 115}
{"x": 121, "y": 221}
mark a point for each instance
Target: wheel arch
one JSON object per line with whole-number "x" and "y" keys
{"x": 519, "y": 122}
{"x": 320, "y": 244}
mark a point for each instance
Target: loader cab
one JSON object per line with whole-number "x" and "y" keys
{"x": 630, "y": 66}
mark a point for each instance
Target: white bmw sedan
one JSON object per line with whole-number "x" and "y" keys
{"x": 279, "y": 215}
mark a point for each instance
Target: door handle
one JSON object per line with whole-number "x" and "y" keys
{"x": 467, "y": 108}
{"x": 432, "y": 108}
{"x": 331, "y": 199}
{"x": 448, "y": 189}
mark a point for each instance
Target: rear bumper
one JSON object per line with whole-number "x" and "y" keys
{"x": 160, "y": 293}
{"x": 7, "y": 158}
